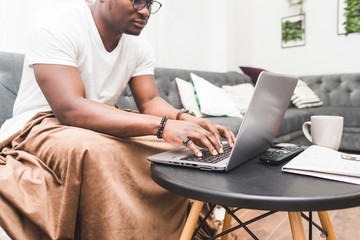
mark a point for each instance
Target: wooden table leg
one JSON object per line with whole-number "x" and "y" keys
{"x": 326, "y": 224}
{"x": 191, "y": 220}
{"x": 297, "y": 228}
{"x": 226, "y": 224}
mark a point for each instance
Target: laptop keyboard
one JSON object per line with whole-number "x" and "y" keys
{"x": 208, "y": 158}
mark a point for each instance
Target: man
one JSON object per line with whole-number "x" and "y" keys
{"x": 79, "y": 163}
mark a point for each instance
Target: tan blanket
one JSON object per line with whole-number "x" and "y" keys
{"x": 61, "y": 182}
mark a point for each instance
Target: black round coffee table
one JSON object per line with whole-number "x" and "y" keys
{"x": 255, "y": 185}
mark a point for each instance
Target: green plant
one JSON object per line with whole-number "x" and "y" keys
{"x": 352, "y": 15}
{"x": 292, "y": 31}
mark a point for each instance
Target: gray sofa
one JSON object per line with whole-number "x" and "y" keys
{"x": 339, "y": 92}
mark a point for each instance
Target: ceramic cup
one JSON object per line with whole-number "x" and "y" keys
{"x": 326, "y": 131}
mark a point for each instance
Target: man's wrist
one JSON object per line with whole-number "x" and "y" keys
{"x": 161, "y": 127}
{"x": 184, "y": 110}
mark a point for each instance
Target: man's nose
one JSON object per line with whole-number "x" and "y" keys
{"x": 145, "y": 11}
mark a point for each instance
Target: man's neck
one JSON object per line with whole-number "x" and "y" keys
{"x": 109, "y": 37}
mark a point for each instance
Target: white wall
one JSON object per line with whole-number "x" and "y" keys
{"x": 222, "y": 35}
{"x": 15, "y": 19}
{"x": 201, "y": 34}
{"x": 192, "y": 34}
{"x": 186, "y": 34}
{"x": 241, "y": 34}
{"x": 324, "y": 52}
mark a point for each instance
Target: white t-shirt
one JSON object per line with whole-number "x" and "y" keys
{"x": 67, "y": 35}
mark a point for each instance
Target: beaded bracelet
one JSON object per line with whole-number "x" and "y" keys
{"x": 161, "y": 127}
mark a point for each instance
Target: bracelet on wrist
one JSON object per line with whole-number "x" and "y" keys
{"x": 161, "y": 127}
{"x": 188, "y": 111}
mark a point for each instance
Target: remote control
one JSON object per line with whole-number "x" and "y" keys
{"x": 279, "y": 154}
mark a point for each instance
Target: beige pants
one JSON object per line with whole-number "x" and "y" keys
{"x": 61, "y": 182}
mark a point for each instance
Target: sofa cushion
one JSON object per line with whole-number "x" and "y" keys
{"x": 252, "y": 72}
{"x": 241, "y": 94}
{"x": 213, "y": 100}
{"x": 11, "y": 65}
{"x": 304, "y": 97}
{"x": 187, "y": 96}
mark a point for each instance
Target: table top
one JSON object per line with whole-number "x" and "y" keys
{"x": 255, "y": 185}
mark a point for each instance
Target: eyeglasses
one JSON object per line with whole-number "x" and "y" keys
{"x": 153, "y": 6}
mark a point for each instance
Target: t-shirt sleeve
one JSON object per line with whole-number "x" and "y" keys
{"x": 51, "y": 43}
{"x": 145, "y": 59}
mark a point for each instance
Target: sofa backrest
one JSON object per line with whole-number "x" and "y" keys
{"x": 165, "y": 81}
{"x": 11, "y": 65}
{"x": 336, "y": 90}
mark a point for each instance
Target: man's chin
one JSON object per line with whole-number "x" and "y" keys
{"x": 134, "y": 32}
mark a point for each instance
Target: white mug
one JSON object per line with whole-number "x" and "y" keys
{"x": 326, "y": 131}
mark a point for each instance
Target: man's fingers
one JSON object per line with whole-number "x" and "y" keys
{"x": 212, "y": 141}
{"x": 207, "y": 141}
{"x": 214, "y": 130}
{"x": 207, "y": 135}
{"x": 190, "y": 144}
{"x": 230, "y": 137}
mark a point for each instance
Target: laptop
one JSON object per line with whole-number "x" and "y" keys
{"x": 257, "y": 130}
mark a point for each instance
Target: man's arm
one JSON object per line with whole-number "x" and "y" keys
{"x": 147, "y": 97}
{"x": 64, "y": 90}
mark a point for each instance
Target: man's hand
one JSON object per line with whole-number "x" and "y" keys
{"x": 201, "y": 132}
{"x": 216, "y": 129}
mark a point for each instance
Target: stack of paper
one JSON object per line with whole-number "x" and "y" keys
{"x": 326, "y": 163}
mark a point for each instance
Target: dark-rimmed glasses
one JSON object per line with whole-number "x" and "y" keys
{"x": 153, "y": 6}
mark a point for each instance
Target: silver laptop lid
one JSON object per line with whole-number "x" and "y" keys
{"x": 263, "y": 118}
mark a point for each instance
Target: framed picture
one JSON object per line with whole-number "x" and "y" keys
{"x": 293, "y": 31}
{"x": 295, "y": 2}
{"x": 348, "y": 17}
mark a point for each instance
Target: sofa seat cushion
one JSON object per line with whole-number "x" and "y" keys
{"x": 351, "y": 114}
{"x": 233, "y": 123}
{"x": 293, "y": 120}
